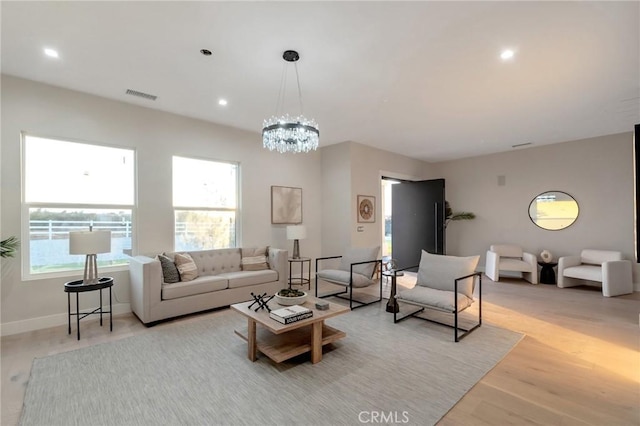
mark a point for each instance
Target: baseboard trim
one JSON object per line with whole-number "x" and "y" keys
{"x": 39, "y": 323}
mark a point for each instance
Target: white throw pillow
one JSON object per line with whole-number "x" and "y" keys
{"x": 440, "y": 271}
{"x": 186, "y": 266}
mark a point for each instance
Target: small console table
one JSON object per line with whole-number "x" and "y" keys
{"x": 392, "y": 304}
{"x": 78, "y": 287}
{"x": 301, "y": 280}
{"x": 547, "y": 274}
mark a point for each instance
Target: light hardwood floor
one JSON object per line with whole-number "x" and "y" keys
{"x": 578, "y": 364}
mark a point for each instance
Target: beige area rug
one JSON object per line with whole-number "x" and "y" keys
{"x": 197, "y": 373}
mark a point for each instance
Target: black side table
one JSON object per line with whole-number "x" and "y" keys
{"x": 392, "y": 304}
{"x": 78, "y": 287}
{"x": 547, "y": 274}
{"x": 301, "y": 280}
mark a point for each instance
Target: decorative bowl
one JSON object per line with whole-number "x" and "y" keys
{"x": 287, "y": 297}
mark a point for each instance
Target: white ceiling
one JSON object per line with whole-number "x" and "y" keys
{"x": 423, "y": 79}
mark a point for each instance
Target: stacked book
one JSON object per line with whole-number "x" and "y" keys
{"x": 291, "y": 314}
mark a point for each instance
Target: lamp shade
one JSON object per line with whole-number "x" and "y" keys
{"x": 297, "y": 232}
{"x": 89, "y": 242}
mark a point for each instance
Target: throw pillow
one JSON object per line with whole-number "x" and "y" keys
{"x": 254, "y": 259}
{"x": 169, "y": 271}
{"x": 439, "y": 272}
{"x": 186, "y": 266}
{"x": 360, "y": 254}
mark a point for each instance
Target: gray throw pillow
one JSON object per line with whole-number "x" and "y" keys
{"x": 169, "y": 270}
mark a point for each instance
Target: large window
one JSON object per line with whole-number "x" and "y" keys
{"x": 205, "y": 195}
{"x": 71, "y": 186}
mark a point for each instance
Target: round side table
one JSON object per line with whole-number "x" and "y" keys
{"x": 392, "y": 304}
{"x": 78, "y": 287}
{"x": 547, "y": 274}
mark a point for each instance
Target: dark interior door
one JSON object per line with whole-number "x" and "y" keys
{"x": 417, "y": 220}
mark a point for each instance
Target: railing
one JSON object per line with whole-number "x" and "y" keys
{"x": 59, "y": 229}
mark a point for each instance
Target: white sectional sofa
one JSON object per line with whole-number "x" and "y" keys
{"x": 221, "y": 281}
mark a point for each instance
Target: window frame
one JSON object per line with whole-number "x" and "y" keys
{"x": 25, "y": 223}
{"x": 237, "y": 209}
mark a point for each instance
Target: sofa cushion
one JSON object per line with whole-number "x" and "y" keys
{"x": 255, "y": 259}
{"x": 440, "y": 271}
{"x": 512, "y": 264}
{"x": 247, "y": 278}
{"x": 359, "y": 254}
{"x": 342, "y": 278}
{"x": 170, "y": 273}
{"x": 217, "y": 261}
{"x": 584, "y": 272}
{"x": 186, "y": 266}
{"x": 440, "y": 299}
{"x": 198, "y": 285}
{"x": 597, "y": 257}
{"x": 507, "y": 250}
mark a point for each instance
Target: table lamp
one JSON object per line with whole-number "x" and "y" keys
{"x": 90, "y": 243}
{"x": 295, "y": 233}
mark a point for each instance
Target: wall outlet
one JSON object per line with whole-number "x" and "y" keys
{"x": 360, "y": 228}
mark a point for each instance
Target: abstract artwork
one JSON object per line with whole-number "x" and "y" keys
{"x": 366, "y": 208}
{"x": 286, "y": 205}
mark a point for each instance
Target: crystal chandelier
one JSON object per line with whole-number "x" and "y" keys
{"x": 286, "y": 133}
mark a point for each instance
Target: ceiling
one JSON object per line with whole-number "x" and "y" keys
{"x": 423, "y": 79}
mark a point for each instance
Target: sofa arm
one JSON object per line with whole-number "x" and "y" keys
{"x": 616, "y": 278}
{"x": 145, "y": 276}
{"x": 532, "y": 260}
{"x": 491, "y": 266}
{"x": 563, "y": 263}
{"x": 278, "y": 262}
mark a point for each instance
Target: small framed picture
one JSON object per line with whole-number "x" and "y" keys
{"x": 366, "y": 209}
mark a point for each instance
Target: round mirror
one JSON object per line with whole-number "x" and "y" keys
{"x": 553, "y": 210}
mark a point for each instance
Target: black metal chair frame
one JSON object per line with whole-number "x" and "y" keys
{"x": 457, "y": 337}
{"x": 349, "y": 289}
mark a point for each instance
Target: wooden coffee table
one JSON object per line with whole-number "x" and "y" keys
{"x": 281, "y": 342}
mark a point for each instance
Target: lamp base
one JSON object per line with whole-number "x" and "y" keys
{"x": 90, "y": 270}
{"x": 296, "y": 249}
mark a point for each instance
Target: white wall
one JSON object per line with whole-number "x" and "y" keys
{"x": 156, "y": 136}
{"x": 597, "y": 172}
{"x": 351, "y": 169}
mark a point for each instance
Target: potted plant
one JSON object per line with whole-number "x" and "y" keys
{"x": 9, "y": 246}
{"x": 450, "y": 215}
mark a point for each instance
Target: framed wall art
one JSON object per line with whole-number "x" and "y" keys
{"x": 286, "y": 205}
{"x": 366, "y": 209}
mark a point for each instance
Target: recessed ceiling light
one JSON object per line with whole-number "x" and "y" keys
{"x": 222, "y": 102}
{"x": 507, "y": 54}
{"x": 51, "y": 53}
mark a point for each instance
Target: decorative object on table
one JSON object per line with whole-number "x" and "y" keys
{"x": 546, "y": 256}
{"x": 289, "y": 297}
{"x": 90, "y": 243}
{"x": 286, "y": 205}
{"x": 450, "y": 215}
{"x": 284, "y": 133}
{"x": 291, "y": 314}
{"x": 295, "y": 233}
{"x": 322, "y": 305}
{"x": 262, "y": 301}
{"x": 366, "y": 209}
{"x": 9, "y": 246}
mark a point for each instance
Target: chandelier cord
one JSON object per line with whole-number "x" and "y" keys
{"x": 295, "y": 64}
{"x": 281, "y": 92}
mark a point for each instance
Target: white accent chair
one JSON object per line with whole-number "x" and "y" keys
{"x": 445, "y": 284}
{"x": 509, "y": 257}
{"x": 604, "y": 267}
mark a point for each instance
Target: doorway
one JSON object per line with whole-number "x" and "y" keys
{"x": 386, "y": 185}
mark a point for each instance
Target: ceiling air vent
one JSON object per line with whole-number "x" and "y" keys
{"x": 141, "y": 94}
{"x": 521, "y": 144}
